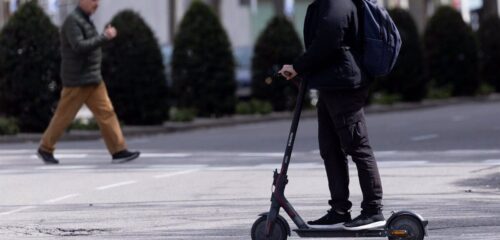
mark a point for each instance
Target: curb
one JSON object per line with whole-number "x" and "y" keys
{"x": 169, "y": 127}
{"x": 431, "y": 104}
{"x": 172, "y": 127}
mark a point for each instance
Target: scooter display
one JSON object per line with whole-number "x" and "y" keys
{"x": 402, "y": 225}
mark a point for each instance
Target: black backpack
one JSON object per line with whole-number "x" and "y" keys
{"x": 380, "y": 41}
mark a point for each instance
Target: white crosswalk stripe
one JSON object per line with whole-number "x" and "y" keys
{"x": 76, "y": 160}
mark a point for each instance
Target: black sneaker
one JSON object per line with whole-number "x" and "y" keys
{"x": 366, "y": 221}
{"x": 125, "y": 156}
{"x": 331, "y": 219}
{"x": 46, "y": 157}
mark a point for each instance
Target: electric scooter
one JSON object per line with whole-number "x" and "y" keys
{"x": 403, "y": 225}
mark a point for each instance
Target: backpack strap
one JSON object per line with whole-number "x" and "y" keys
{"x": 359, "y": 48}
{"x": 359, "y": 45}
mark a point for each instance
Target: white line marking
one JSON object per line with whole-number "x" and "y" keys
{"x": 59, "y": 152}
{"x": 314, "y": 165}
{"x": 465, "y": 152}
{"x": 65, "y": 156}
{"x": 176, "y": 166}
{"x": 62, "y": 198}
{"x": 386, "y": 153}
{"x": 240, "y": 168}
{"x": 424, "y": 137}
{"x": 15, "y": 157}
{"x": 71, "y": 155}
{"x": 176, "y": 173}
{"x": 492, "y": 162}
{"x": 315, "y": 151}
{"x": 20, "y": 151}
{"x": 165, "y": 155}
{"x": 401, "y": 163}
{"x": 9, "y": 171}
{"x": 88, "y": 151}
{"x": 66, "y": 167}
{"x": 257, "y": 154}
{"x": 17, "y": 210}
{"x": 115, "y": 185}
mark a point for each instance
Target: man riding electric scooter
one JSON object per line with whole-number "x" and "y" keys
{"x": 348, "y": 43}
{"x": 332, "y": 65}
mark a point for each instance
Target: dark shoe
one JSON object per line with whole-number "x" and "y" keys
{"x": 46, "y": 157}
{"x": 331, "y": 219}
{"x": 124, "y": 156}
{"x": 366, "y": 221}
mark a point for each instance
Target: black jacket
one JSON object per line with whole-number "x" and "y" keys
{"x": 80, "y": 50}
{"x": 331, "y": 39}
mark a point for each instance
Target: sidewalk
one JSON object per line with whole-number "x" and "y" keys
{"x": 201, "y": 123}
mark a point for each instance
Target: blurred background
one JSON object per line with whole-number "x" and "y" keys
{"x": 450, "y": 49}
{"x": 243, "y": 19}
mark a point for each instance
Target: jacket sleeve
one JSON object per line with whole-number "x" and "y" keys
{"x": 75, "y": 37}
{"x": 328, "y": 40}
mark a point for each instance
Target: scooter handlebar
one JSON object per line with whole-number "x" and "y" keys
{"x": 280, "y": 77}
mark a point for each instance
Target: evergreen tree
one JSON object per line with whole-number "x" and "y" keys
{"x": 451, "y": 53}
{"x": 489, "y": 40}
{"x": 203, "y": 66}
{"x": 407, "y": 79}
{"x": 134, "y": 72}
{"x": 278, "y": 44}
{"x": 29, "y": 68}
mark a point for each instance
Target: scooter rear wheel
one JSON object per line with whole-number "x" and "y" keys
{"x": 259, "y": 230}
{"x": 412, "y": 225}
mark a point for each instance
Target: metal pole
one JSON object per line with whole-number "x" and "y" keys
{"x": 172, "y": 19}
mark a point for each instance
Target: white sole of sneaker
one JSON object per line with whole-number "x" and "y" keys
{"x": 365, "y": 227}
{"x": 338, "y": 226}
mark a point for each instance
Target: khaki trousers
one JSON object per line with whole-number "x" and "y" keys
{"x": 97, "y": 100}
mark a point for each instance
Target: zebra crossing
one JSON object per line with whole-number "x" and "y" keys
{"x": 82, "y": 160}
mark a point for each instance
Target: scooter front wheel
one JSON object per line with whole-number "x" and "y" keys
{"x": 279, "y": 231}
{"x": 410, "y": 224}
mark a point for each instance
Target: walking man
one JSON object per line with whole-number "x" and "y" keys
{"x": 83, "y": 84}
{"x": 331, "y": 65}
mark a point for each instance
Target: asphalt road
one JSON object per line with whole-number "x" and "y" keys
{"x": 211, "y": 184}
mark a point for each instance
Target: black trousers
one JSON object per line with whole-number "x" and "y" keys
{"x": 342, "y": 132}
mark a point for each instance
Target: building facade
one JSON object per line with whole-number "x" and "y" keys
{"x": 243, "y": 19}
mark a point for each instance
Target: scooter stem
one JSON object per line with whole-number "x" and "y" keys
{"x": 295, "y": 124}
{"x": 278, "y": 199}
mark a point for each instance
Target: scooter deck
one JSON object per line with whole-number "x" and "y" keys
{"x": 340, "y": 233}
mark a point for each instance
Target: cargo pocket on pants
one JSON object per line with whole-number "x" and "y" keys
{"x": 349, "y": 130}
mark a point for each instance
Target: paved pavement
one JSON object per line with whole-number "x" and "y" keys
{"x": 210, "y": 184}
